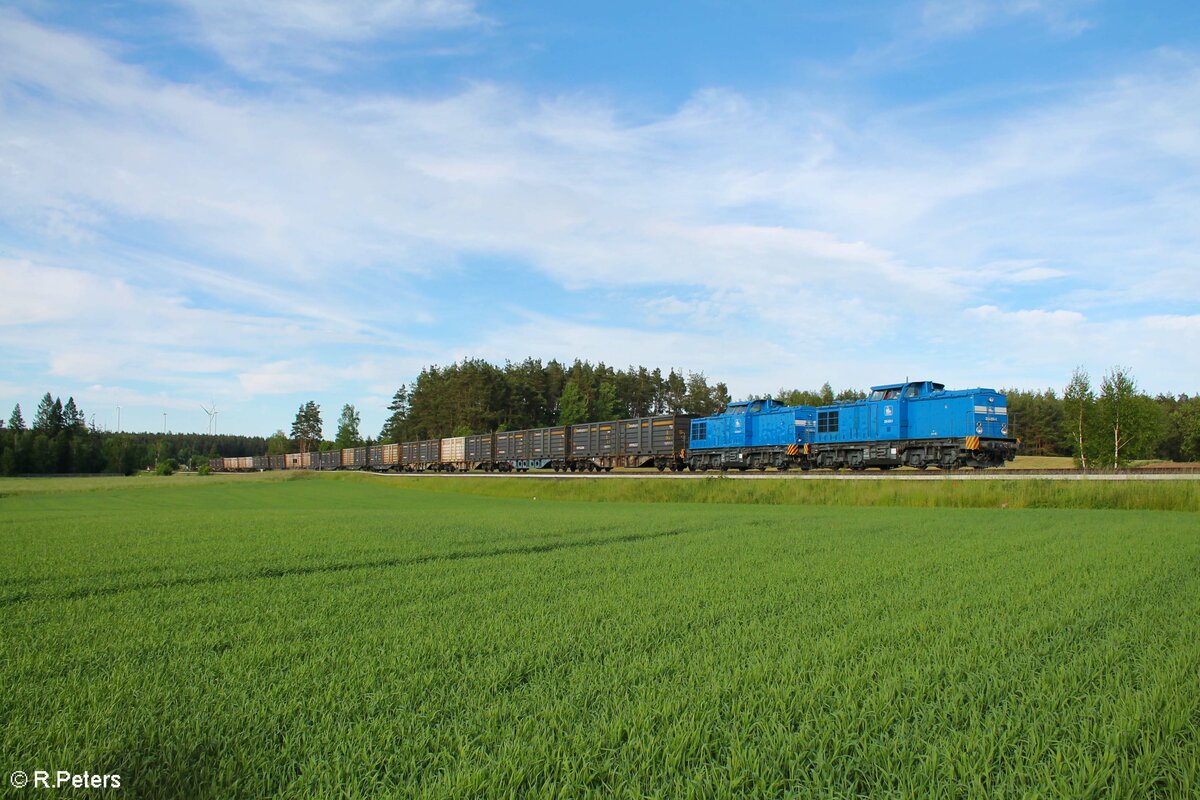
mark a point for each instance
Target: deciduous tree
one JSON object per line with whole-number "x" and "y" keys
{"x": 1079, "y": 402}
{"x": 347, "y": 432}
{"x": 572, "y": 407}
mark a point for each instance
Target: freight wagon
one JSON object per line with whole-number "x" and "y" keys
{"x": 509, "y": 449}
{"x": 479, "y": 452}
{"x": 660, "y": 442}
{"x": 543, "y": 448}
{"x": 453, "y": 454}
{"x": 389, "y": 456}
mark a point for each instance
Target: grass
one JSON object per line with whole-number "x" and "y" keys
{"x": 1003, "y": 495}
{"x": 994, "y": 494}
{"x": 369, "y": 637}
{"x": 1043, "y": 462}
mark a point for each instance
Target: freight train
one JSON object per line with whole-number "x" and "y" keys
{"x": 916, "y": 423}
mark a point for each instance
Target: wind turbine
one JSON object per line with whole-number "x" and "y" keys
{"x": 212, "y": 417}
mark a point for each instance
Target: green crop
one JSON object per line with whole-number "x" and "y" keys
{"x": 371, "y": 638}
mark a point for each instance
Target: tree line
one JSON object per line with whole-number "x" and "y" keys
{"x": 59, "y": 441}
{"x": 1110, "y": 423}
{"x": 475, "y": 396}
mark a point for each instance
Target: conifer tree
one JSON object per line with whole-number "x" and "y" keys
{"x": 307, "y": 428}
{"x": 43, "y": 420}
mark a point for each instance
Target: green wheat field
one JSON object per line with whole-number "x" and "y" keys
{"x": 368, "y": 636}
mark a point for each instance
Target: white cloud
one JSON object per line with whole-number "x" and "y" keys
{"x": 843, "y": 243}
{"x": 941, "y": 18}
{"x": 268, "y": 37}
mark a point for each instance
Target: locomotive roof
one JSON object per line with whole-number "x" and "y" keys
{"x": 900, "y": 385}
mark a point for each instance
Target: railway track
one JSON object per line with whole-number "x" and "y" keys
{"x": 1163, "y": 474}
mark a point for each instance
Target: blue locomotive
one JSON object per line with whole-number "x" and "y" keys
{"x": 918, "y": 424}
{"x": 753, "y": 434}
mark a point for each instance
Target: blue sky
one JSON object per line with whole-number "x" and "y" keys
{"x": 202, "y": 202}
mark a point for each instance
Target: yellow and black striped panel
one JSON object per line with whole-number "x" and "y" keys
{"x": 793, "y": 450}
{"x": 972, "y": 442}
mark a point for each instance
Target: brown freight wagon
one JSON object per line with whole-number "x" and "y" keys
{"x": 453, "y": 456}
{"x": 299, "y": 460}
{"x": 389, "y": 456}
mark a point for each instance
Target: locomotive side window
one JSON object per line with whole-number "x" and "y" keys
{"x": 827, "y": 422}
{"x": 911, "y": 391}
{"x": 699, "y": 430}
{"x": 891, "y": 394}
{"x": 876, "y": 395}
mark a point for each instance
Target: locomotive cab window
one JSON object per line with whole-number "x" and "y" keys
{"x": 827, "y": 422}
{"x": 891, "y": 394}
{"x": 876, "y": 395}
{"x": 911, "y": 391}
{"x": 755, "y": 407}
{"x": 700, "y": 430}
